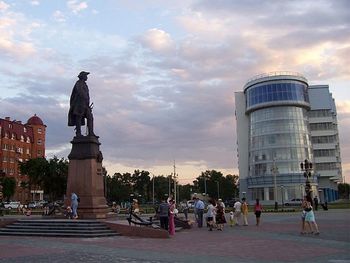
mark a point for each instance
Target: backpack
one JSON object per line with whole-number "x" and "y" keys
{"x": 78, "y": 199}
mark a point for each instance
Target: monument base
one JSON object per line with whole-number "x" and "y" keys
{"x": 85, "y": 178}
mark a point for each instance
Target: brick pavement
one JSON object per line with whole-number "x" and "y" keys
{"x": 276, "y": 240}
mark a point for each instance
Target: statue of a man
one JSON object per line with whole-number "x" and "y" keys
{"x": 80, "y": 107}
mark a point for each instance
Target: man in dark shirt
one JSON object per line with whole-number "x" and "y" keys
{"x": 164, "y": 215}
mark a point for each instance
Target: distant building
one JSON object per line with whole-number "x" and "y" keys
{"x": 275, "y": 134}
{"x": 21, "y": 142}
{"x": 325, "y": 141}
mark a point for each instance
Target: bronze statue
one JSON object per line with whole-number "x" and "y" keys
{"x": 80, "y": 107}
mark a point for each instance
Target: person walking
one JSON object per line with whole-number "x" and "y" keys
{"x": 232, "y": 219}
{"x": 303, "y": 215}
{"x": 200, "y": 210}
{"x": 220, "y": 217}
{"x": 171, "y": 217}
{"x": 164, "y": 214}
{"x": 74, "y": 205}
{"x": 211, "y": 214}
{"x": 257, "y": 211}
{"x": 244, "y": 209}
{"x": 310, "y": 219}
{"x": 237, "y": 215}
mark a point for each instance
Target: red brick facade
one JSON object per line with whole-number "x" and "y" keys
{"x": 20, "y": 142}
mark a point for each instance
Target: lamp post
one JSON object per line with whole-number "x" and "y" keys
{"x": 217, "y": 184}
{"x": 153, "y": 177}
{"x": 282, "y": 193}
{"x": 306, "y": 166}
{"x": 274, "y": 171}
{"x": 301, "y": 192}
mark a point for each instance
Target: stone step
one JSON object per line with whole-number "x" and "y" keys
{"x": 73, "y": 228}
{"x": 56, "y": 234}
{"x": 58, "y": 228}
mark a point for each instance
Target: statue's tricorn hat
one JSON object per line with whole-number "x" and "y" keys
{"x": 83, "y": 73}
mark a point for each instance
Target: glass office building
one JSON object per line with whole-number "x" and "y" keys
{"x": 273, "y": 137}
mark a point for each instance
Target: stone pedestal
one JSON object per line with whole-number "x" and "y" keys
{"x": 85, "y": 177}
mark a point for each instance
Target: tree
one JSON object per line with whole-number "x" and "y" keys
{"x": 8, "y": 187}
{"x": 35, "y": 170}
{"x": 344, "y": 191}
{"x": 216, "y": 184}
{"x": 54, "y": 180}
{"x": 50, "y": 176}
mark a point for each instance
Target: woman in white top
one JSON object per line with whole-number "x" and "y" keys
{"x": 211, "y": 214}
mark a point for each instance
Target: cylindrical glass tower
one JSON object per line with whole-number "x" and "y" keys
{"x": 277, "y": 107}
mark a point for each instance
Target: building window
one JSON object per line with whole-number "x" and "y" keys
{"x": 7, "y": 135}
{"x": 24, "y": 129}
{"x": 39, "y": 152}
{"x": 28, "y": 140}
{"x": 321, "y": 126}
{"x": 39, "y": 130}
{"x": 22, "y": 138}
{"x": 27, "y": 151}
{"x": 323, "y": 139}
{"x": 324, "y": 153}
{"x": 10, "y": 126}
{"x": 39, "y": 142}
{"x": 326, "y": 166}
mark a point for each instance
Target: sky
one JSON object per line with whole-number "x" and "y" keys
{"x": 164, "y": 73}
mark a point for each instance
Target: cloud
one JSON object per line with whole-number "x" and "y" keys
{"x": 3, "y": 6}
{"x": 59, "y": 16}
{"x": 76, "y": 6}
{"x": 35, "y": 3}
{"x": 157, "y": 40}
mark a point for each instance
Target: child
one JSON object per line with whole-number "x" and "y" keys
{"x": 232, "y": 219}
{"x": 69, "y": 212}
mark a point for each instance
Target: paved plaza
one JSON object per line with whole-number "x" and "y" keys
{"x": 276, "y": 240}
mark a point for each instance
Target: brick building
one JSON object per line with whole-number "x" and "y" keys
{"x": 20, "y": 142}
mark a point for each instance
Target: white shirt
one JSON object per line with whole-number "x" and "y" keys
{"x": 211, "y": 211}
{"x": 237, "y": 206}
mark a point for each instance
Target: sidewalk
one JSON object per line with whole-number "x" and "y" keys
{"x": 276, "y": 240}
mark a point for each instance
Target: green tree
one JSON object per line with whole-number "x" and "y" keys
{"x": 35, "y": 170}
{"x": 216, "y": 184}
{"x": 54, "y": 180}
{"x": 50, "y": 176}
{"x": 8, "y": 187}
{"x": 344, "y": 191}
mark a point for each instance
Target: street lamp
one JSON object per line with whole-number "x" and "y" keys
{"x": 306, "y": 166}
{"x": 217, "y": 183}
{"x": 274, "y": 171}
{"x": 282, "y": 193}
{"x": 301, "y": 191}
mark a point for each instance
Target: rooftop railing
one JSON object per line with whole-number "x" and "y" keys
{"x": 276, "y": 73}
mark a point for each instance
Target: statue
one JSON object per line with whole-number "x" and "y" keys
{"x": 80, "y": 107}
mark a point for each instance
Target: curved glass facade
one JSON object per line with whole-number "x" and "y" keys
{"x": 280, "y": 134}
{"x": 280, "y": 91}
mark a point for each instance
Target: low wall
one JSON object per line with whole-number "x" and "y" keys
{"x": 138, "y": 231}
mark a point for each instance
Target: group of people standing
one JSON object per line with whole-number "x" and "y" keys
{"x": 216, "y": 215}
{"x": 167, "y": 212}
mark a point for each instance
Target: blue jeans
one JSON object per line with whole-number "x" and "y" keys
{"x": 200, "y": 217}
